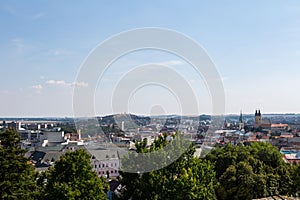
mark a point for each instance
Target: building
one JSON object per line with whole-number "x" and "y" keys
{"x": 52, "y": 137}
{"x": 280, "y": 127}
{"x": 105, "y": 162}
{"x": 241, "y": 122}
{"x": 14, "y": 125}
{"x": 266, "y": 123}
{"x": 259, "y": 122}
{"x": 123, "y": 126}
{"x": 257, "y": 119}
{"x": 292, "y": 158}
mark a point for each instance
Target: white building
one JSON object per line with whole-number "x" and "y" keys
{"x": 52, "y": 136}
{"x": 105, "y": 162}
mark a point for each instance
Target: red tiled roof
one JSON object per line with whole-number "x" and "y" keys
{"x": 279, "y": 125}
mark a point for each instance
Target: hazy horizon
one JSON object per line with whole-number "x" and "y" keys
{"x": 226, "y": 114}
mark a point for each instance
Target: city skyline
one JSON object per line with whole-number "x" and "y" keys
{"x": 254, "y": 45}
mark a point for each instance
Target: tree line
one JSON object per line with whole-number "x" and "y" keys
{"x": 230, "y": 172}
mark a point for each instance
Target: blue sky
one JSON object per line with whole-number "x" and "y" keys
{"x": 254, "y": 44}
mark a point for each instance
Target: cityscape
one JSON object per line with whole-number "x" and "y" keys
{"x": 47, "y": 139}
{"x": 150, "y": 100}
{"x": 108, "y": 138}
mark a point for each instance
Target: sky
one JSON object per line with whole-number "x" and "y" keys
{"x": 255, "y": 46}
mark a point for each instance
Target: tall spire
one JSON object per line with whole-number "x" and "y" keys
{"x": 259, "y": 114}
{"x": 255, "y": 112}
{"x": 241, "y": 117}
{"x": 225, "y": 124}
{"x": 241, "y": 124}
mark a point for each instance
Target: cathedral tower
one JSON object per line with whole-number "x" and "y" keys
{"x": 257, "y": 119}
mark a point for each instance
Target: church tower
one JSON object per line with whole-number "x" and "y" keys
{"x": 241, "y": 122}
{"x": 257, "y": 119}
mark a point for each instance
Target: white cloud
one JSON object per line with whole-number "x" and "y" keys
{"x": 66, "y": 84}
{"x": 54, "y": 82}
{"x": 37, "y": 88}
{"x": 80, "y": 84}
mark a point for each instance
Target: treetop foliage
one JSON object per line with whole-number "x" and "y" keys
{"x": 72, "y": 178}
{"x": 253, "y": 171}
{"x": 186, "y": 178}
{"x": 17, "y": 180}
{"x": 230, "y": 172}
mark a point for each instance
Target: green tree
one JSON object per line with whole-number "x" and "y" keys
{"x": 72, "y": 178}
{"x": 186, "y": 178}
{"x": 296, "y": 180}
{"x": 254, "y": 171}
{"x": 239, "y": 181}
{"x": 17, "y": 180}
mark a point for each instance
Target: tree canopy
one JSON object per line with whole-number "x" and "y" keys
{"x": 254, "y": 171}
{"x": 230, "y": 172}
{"x": 17, "y": 180}
{"x": 186, "y": 178}
{"x": 72, "y": 178}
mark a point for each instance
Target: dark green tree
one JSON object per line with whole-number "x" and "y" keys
{"x": 186, "y": 178}
{"x": 72, "y": 178}
{"x": 17, "y": 180}
{"x": 253, "y": 171}
{"x": 296, "y": 179}
{"x": 239, "y": 182}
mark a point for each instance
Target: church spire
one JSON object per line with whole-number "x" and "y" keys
{"x": 241, "y": 117}
{"x": 241, "y": 124}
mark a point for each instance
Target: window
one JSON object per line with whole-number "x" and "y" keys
{"x": 95, "y": 166}
{"x": 111, "y": 164}
{"x": 103, "y": 165}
